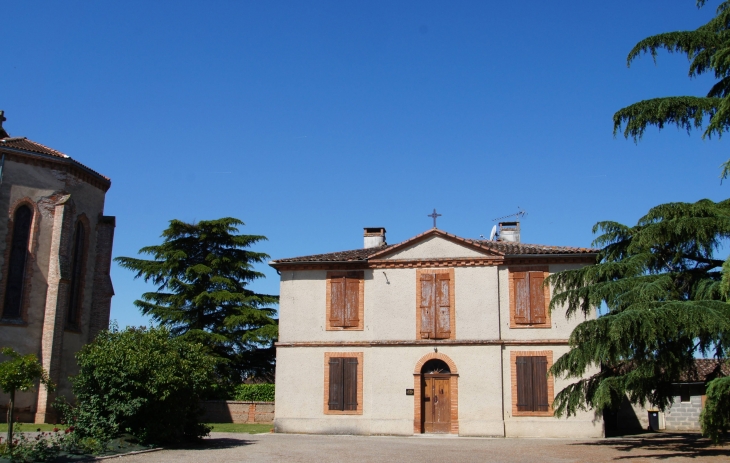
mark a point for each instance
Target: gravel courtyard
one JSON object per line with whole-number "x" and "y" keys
{"x": 228, "y": 447}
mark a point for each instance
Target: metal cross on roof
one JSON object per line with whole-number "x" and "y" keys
{"x": 434, "y": 215}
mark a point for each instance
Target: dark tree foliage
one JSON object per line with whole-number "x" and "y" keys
{"x": 708, "y": 51}
{"x": 666, "y": 293}
{"x": 202, "y": 271}
{"x": 140, "y": 381}
{"x": 20, "y": 373}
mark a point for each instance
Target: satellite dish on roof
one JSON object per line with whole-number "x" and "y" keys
{"x": 493, "y": 233}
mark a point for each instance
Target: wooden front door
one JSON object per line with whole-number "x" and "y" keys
{"x": 436, "y": 404}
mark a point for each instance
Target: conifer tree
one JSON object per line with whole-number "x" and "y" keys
{"x": 202, "y": 272}
{"x": 666, "y": 294}
{"x": 664, "y": 286}
{"x": 708, "y": 51}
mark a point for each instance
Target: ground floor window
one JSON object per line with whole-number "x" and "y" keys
{"x": 532, "y": 388}
{"x": 343, "y": 383}
{"x": 532, "y": 384}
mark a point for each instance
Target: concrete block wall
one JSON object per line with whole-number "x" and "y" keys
{"x": 684, "y": 416}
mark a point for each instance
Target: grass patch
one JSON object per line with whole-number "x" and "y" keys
{"x": 242, "y": 427}
{"x": 30, "y": 427}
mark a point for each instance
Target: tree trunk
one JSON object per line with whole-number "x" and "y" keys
{"x": 11, "y": 418}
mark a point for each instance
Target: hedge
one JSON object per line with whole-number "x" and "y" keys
{"x": 255, "y": 392}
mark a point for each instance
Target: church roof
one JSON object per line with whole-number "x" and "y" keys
{"x": 502, "y": 248}
{"x": 22, "y": 144}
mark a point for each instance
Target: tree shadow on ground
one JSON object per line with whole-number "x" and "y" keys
{"x": 215, "y": 443}
{"x": 663, "y": 446}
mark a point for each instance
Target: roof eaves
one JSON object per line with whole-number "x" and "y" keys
{"x": 63, "y": 158}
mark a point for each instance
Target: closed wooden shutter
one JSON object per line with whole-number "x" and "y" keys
{"x": 336, "y": 392}
{"x": 337, "y": 301}
{"x": 539, "y": 384}
{"x": 443, "y": 306}
{"x": 352, "y": 302}
{"x": 522, "y": 297}
{"x": 428, "y": 301}
{"x": 537, "y": 297}
{"x": 524, "y": 384}
{"x": 350, "y": 386}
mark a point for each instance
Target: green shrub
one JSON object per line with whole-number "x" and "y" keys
{"x": 141, "y": 381}
{"x": 255, "y": 392}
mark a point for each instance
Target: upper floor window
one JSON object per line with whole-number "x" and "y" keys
{"x": 529, "y": 299}
{"x": 345, "y": 300}
{"x": 435, "y": 295}
{"x": 12, "y": 309}
{"x": 78, "y": 255}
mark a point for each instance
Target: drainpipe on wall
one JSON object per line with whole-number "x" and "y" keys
{"x": 501, "y": 346}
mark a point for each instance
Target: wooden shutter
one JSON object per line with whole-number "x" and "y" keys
{"x": 539, "y": 384}
{"x": 522, "y": 297}
{"x": 428, "y": 301}
{"x": 352, "y": 302}
{"x": 350, "y": 383}
{"x": 337, "y": 301}
{"x": 537, "y": 297}
{"x": 336, "y": 401}
{"x": 443, "y": 306}
{"x": 524, "y": 384}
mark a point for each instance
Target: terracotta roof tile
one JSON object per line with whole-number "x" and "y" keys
{"x": 500, "y": 247}
{"x": 22, "y": 143}
{"x": 706, "y": 370}
{"x": 354, "y": 255}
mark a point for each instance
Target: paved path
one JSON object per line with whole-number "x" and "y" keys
{"x": 282, "y": 448}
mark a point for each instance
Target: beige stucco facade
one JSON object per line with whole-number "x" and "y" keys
{"x": 392, "y": 351}
{"x": 62, "y": 195}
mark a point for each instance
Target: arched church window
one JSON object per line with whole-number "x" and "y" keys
{"x": 16, "y": 263}
{"x": 77, "y": 277}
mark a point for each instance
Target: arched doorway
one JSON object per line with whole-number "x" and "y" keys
{"x": 436, "y": 397}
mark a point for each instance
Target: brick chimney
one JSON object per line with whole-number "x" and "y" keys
{"x": 374, "y": 237}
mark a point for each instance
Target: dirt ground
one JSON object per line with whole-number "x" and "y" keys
{"x": 228, "y": 447}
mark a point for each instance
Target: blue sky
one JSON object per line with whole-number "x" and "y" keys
{"x": 311, "y": 120}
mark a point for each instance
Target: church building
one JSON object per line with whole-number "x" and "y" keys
{"x": 436, "y": 334}
{"x": 55, "y": 257}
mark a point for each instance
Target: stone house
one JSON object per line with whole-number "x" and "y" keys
{"x": 55, "y": 257}
{"x": 436, "y": 334}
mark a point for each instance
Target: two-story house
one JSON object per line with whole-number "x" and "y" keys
{"x": 436, "y": 334}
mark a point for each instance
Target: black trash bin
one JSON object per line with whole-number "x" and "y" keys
{"x": 653, "y": 420}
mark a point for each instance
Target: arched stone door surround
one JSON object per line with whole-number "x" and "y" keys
{"x": 453, "y": 386}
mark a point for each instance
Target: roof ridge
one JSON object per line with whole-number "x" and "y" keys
{"x": 502, "y": 247}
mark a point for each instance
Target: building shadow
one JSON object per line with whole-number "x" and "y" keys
{"x": 624, "y": 421}
{"x": 666, "y": 446}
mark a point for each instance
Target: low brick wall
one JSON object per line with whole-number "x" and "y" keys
{"x": 233, "y": 411}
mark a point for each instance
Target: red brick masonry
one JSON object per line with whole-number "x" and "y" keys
{"x": 232, "y": 411}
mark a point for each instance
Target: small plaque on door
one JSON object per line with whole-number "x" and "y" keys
{"x": 409, "y": 391}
